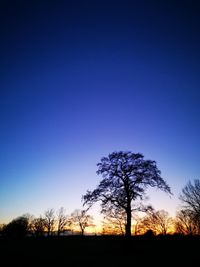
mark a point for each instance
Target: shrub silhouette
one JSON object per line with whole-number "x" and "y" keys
{"x": 149, "y": 233}
{"x": 17, "y": 227}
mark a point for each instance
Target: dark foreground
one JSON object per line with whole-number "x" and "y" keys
{"x": 101, "y": 251}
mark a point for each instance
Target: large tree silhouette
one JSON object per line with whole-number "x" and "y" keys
{"x": 126, "y": 176}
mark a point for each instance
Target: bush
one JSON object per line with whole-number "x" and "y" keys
{"x": 17, "y": 227}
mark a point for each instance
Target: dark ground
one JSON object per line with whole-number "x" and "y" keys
{"x": 101, "y": 251}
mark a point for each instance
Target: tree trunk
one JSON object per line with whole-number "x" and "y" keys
{"x": 82, "y": 231}
{"x": 128, "y": 221}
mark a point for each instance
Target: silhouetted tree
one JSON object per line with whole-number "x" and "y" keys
{"x": 30, "y": 219}
{"x": 114, "y": 221}
{"x": 185, "y": 223}
{"x": 82, "y": 219}
{"x": 50, "y": 221}
{"x": 158, "y": 221}
{"x": 39, "y": 226}
{"x": 190, "y": 197}
{"x": 62, "y": 220}
{"x": 17, "y": 227}
{"x": 126, "y": 177}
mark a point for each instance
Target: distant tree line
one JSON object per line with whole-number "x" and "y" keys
{"x": 125, "y": 178}
{"x": 50, "y": 224}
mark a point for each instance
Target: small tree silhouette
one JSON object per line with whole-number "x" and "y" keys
{"x": 190, "y": 198}
{"x": 39, "y": 226}
{"x": 82, "y": 219}
{"x": 62, "y": 220}
{"x": 50, "y": 221}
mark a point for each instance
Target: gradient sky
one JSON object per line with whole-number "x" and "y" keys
{"x": 81, "y": 79}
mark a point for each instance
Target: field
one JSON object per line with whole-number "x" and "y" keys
{"x": 101, "y": 251}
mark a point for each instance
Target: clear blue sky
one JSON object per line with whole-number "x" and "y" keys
{"x": 81, "y": 79}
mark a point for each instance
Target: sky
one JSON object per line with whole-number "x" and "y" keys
{"x": 81, "y": 79}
